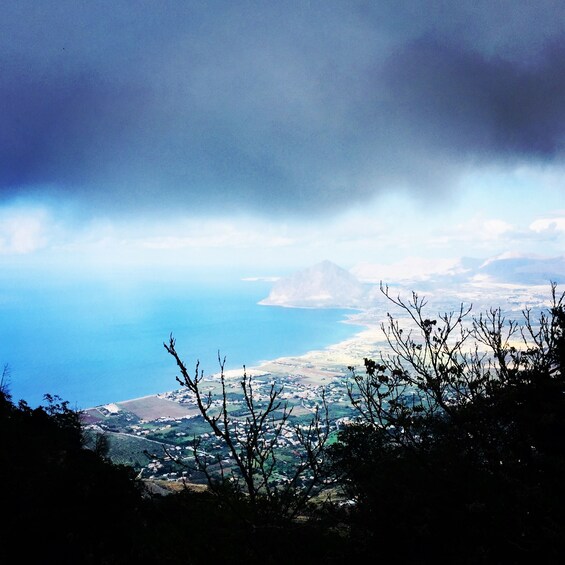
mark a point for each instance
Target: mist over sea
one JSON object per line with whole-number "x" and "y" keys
{"x": 102, "y": 341}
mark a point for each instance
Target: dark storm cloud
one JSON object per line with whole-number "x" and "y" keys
{"x": 457, "y": 99}
{"x": 275, "y": 107}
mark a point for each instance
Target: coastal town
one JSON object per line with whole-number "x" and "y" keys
{"x": 157, "y": 435}
{"x": 160, "y": 435}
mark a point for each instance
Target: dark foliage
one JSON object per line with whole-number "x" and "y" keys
{"x": 458, "y": 456}
{"x": 61, "y": 503}
{"x": 459, "y": 453}
{"x": 207, "y": 528}
{"x": 64, "y": 504}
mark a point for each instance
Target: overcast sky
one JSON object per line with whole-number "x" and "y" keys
{"x": 275, "y": 134}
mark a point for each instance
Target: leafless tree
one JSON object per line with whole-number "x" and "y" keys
{"x": 435, "y": 366}
{"x": 253, "y": 443}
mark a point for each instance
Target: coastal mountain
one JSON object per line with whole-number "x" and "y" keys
{"x": 325, "y": 285}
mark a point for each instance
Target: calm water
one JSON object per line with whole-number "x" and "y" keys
{"x": 93, "y": 343}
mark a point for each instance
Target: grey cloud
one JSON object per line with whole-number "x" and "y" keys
{"x": 279, "y": 108}
{"x": 454, "y": 97}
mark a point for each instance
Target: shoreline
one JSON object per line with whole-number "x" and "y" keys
{"x": 314, "y": 368}
{"x": 321, "y": 367}
{"x": 369, "y": 340}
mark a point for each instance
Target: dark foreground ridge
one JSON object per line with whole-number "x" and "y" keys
{"x": 457, "y": 454}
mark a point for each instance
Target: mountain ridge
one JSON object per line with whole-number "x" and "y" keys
{"x": 324, "y": 285}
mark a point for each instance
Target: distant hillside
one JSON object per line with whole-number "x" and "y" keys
{"x": 521, "y": 270}
{"x": 325, "y": 285}
{"x": 524, "y": 270}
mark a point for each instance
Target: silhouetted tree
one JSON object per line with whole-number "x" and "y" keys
{"x": 459, "y": 448}
{"x": 253, "y": 446}
{"x": 60, "y": 502}
{"x": 458, "y": 455}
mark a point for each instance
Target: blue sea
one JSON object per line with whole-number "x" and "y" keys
{"x": 97, "y": 342}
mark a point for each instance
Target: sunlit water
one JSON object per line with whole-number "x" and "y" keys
{"x": 94, "y": 343}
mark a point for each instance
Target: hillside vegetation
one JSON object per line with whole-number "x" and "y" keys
{"x": 457, "y": 453}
